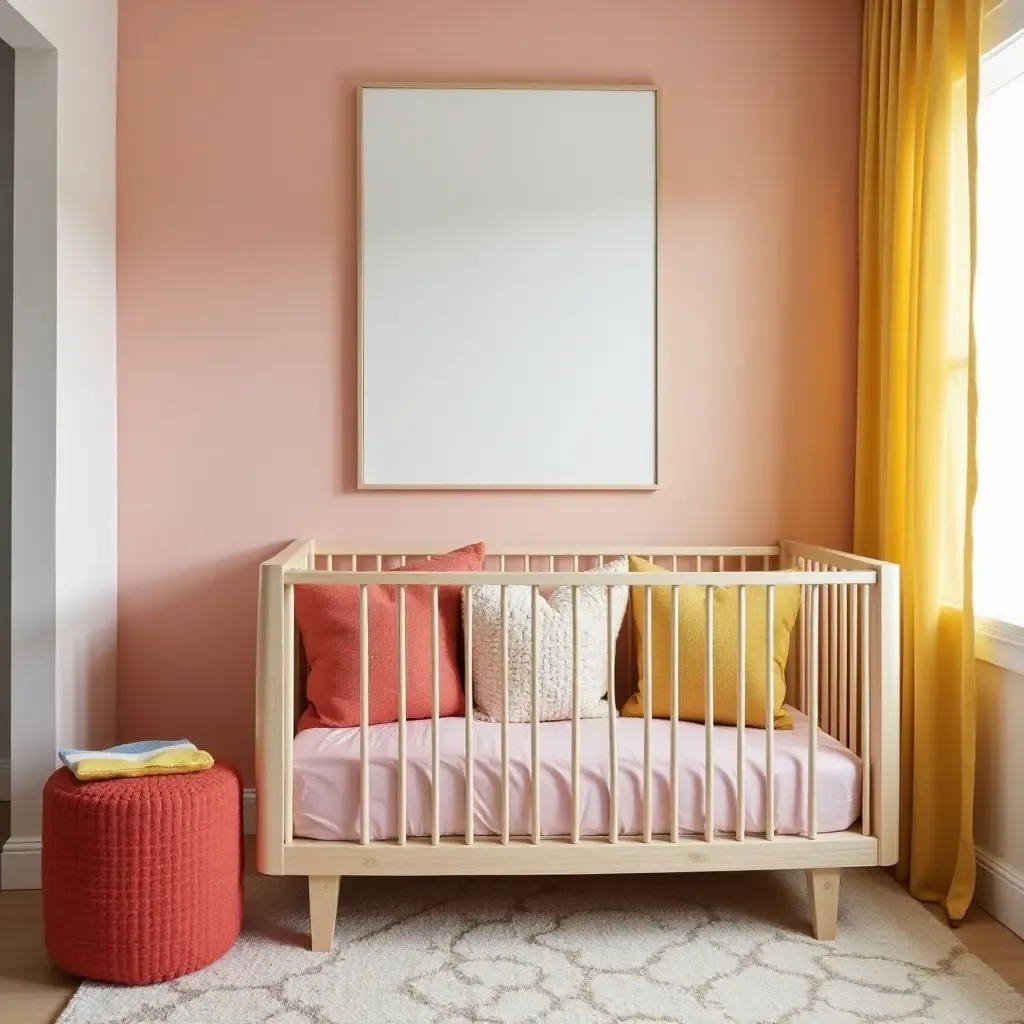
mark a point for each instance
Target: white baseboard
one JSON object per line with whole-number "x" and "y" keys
{"x": 21, "y": 865}
{"x": 22, "y": 860}
{"x": 249, "y": 811}
{"x": 5, "y": 778}
{"x": 1000, "y": 890}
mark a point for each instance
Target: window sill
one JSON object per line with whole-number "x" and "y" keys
{"x": 1000, "y": 643}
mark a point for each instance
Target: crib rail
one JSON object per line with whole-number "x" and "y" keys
{"x": 842, "y": 676}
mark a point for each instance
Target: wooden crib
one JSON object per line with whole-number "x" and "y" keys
{"x": 842, "y": 674}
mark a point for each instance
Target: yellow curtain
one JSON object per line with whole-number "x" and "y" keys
{"x": 916, "y": 404}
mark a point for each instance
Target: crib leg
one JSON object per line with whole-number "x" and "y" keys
{"x": 823, "y": 890}
{"x": 323, "y": 910}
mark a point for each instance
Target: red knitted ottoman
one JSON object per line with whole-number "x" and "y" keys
{"x": 142, "y": 878}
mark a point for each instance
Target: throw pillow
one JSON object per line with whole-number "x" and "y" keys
{"x": 555, "y": 639}
{"x": 328, "y": 617}
{"x": 693, "y": 645}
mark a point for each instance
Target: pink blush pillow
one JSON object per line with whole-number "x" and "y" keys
{"x": 328, "y": 618}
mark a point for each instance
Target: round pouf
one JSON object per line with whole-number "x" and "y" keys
{"x": 142, "y": 878}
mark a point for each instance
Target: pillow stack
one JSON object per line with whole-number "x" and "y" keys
{"x": 328, "y": 618}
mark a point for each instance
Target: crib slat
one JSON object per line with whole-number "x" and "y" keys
{"x": 551, "y": 563}
{"x": 364, "y": 716}
{"x": 709, "y": 715}
{"x": 575, "y": 563}
{"x": 769, "y": 721}
{"x": 402, "y": 760}
{"x": 766, "y": 562}
{"x": 698, "y": 563}
{"x": 288, "y": 724}
{"x": 812, "y": 750}
{"x": 721, "y": 563}
{"x": 823, "y": 654}
{"x": 865, "y": 709}
{"x": 741, "y": 716}
{"x": 675, "y": 563}
{"x": 801, "y": 563}
{"x": 815, "y": 567}
{"x": 648, "y": 716}
{"x": 467, "y": 599}
{"x": 435, "y": 713}
{"x": 844, "y": 657}
{"x": 501, "y": 563}
{"x": 504, "y": 715}
{"x": 330, "y": 563}
{"x": 613, "y": 754}
{"x": 575, "y": 714}
{"x": 854, "y": 678}
{"x": 673, "y": 711}
{"x": 535, "y": 710}
{"x": 833, "y": 678}
{"x": 743, "y": 563}
{"x": 380, "y": 562}
{"x": 355, "y": 563}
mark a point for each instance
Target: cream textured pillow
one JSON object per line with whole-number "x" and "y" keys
{"x": 555, "y": 640}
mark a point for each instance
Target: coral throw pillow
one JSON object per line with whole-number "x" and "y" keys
{"x": 328, "y": 618}
{"x": 693, "y": 644}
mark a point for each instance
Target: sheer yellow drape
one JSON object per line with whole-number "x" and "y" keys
{"x": 916, "y": 473}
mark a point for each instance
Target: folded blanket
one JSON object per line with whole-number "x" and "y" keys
{"x": 149, "y": 757}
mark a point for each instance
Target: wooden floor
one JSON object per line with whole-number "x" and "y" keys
{"x": 33, "y": 991}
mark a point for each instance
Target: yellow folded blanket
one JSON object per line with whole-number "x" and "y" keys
{"x": 149, "y": 757}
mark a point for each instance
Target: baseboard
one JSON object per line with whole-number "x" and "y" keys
{"x": 22, "y": 860}
{"x": 5, "y": 778}
{"x": 249, "y": 811}
{"x": 21, "y": 865}
{"x": 1000, "y": 890}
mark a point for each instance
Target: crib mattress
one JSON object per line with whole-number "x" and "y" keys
{"x": 327, "y": 765}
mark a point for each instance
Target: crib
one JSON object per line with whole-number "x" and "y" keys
{"x": 842, "y": 682}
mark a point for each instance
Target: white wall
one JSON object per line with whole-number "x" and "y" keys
{"x": 6, "y": 344}
{"x": 64, "y": 520}
{"x": 999, "y": 804}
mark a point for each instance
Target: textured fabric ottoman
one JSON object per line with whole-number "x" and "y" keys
{"x": 142, "y": 878}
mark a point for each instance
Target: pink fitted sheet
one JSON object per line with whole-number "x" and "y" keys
{"x": 327, "y": 762}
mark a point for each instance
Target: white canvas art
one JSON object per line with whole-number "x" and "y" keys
{"x": 508, "y": 298}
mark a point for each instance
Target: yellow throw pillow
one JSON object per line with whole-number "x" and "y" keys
{"x": 692, "y": 648}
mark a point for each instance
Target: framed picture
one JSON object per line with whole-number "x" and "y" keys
{"x": 508, "y": 287}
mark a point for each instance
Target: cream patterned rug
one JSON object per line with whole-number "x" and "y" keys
{"x": 699, "y": 949}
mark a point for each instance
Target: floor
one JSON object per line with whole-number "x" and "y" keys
{"x": 33, "y": 991}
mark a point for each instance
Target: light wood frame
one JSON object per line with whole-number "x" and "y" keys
{"x": 866, "y": 675}
{"x": 361, "y": 483}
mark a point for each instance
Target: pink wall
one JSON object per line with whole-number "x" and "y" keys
{"x": 236, "y": 297}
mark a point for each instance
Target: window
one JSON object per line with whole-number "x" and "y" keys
{"x": 999, "y": 326}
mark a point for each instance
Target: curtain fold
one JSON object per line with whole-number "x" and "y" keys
{"x": 916, "y": 405}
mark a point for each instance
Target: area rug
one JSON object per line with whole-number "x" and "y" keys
{"x": 699, "y": 949}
